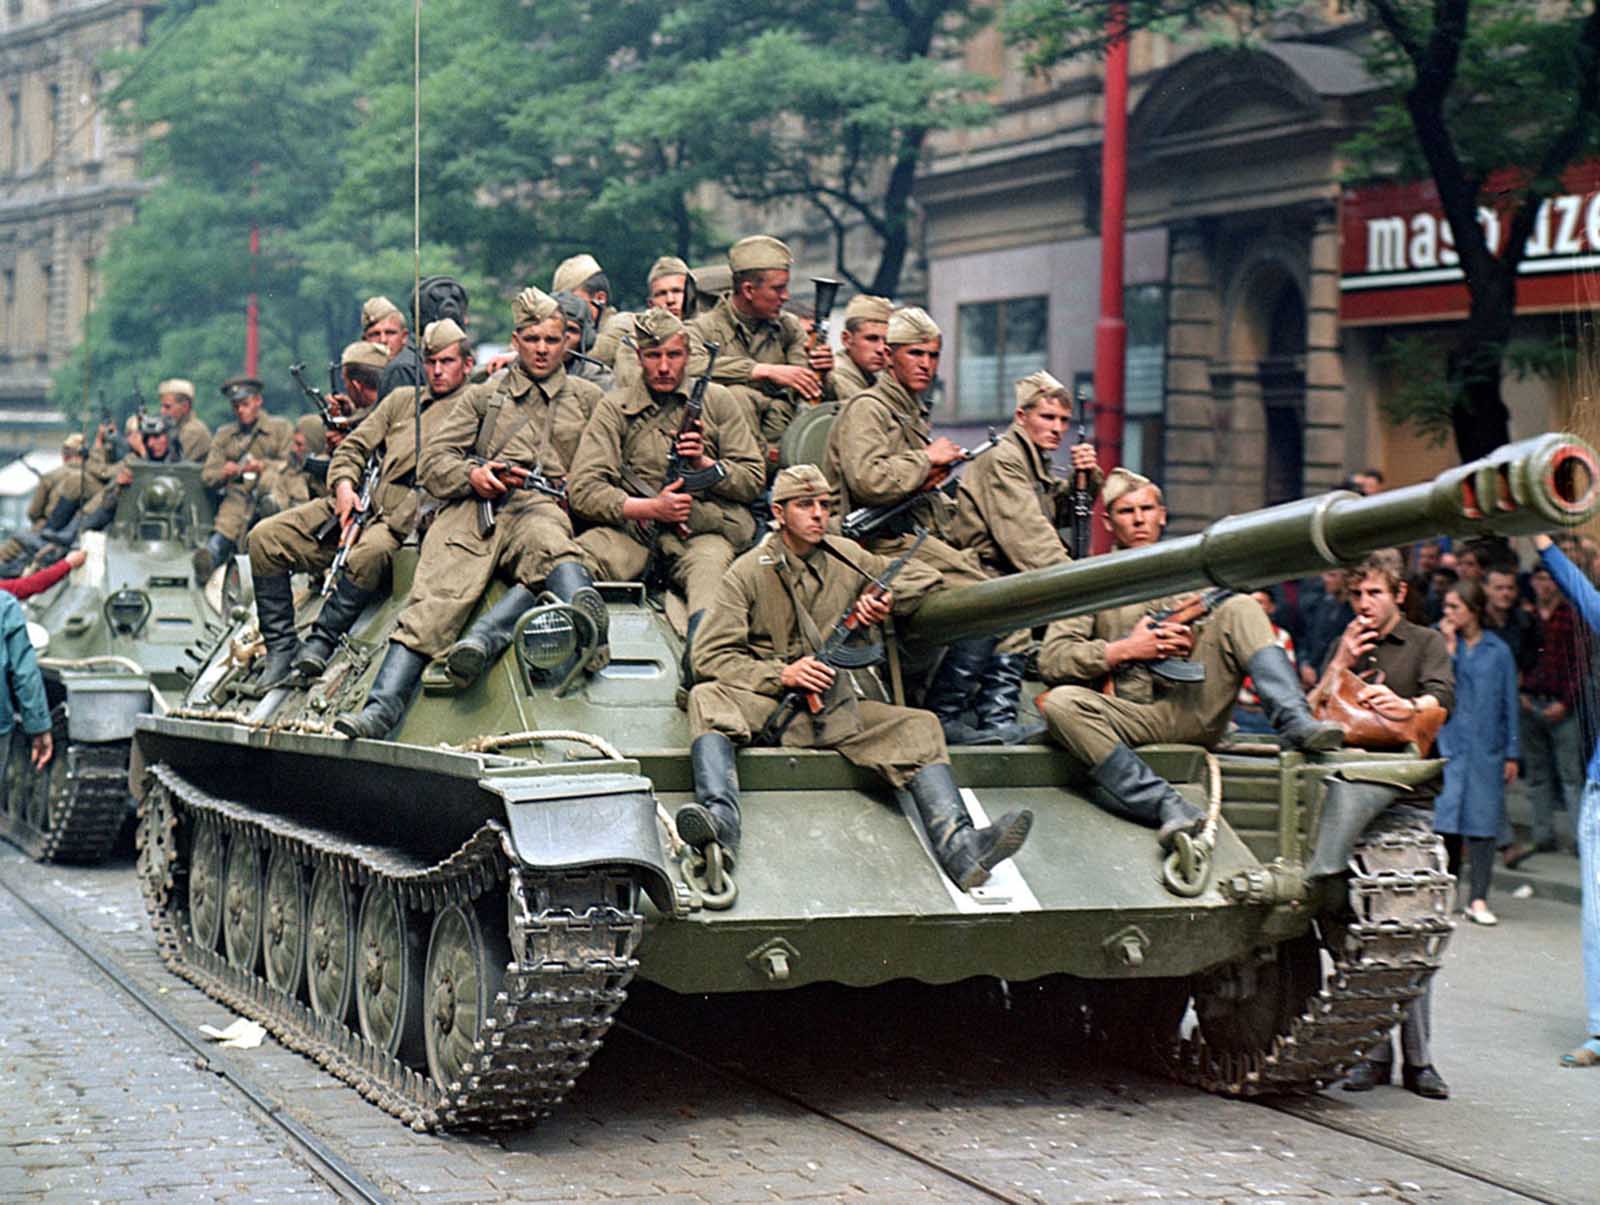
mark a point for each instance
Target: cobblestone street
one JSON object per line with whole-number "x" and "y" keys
{"x": 901, "y": 1093}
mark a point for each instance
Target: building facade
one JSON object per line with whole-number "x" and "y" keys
{"x": 66, "y": 181}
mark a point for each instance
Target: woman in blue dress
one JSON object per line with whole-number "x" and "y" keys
{"x": 1480, "y": 741}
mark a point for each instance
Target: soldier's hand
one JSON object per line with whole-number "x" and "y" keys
{"x": 250, "y": 465}
{"x": 43, "y": 748}
{"x": 672, "y": 506}
{"x": 819, "y": 358}
{"x": 874, "y": 606}
{"x": 504, "y": 360}
{"x": 944, "y": 451}
{"x": 791, "y": 376}
{"x": 483, "y": 480}
{"x": 124, "y": 476}
{"x": 230, "y": 469}
{"x": 1083, "y": 458}
{"x": 344, "y": 501}
{"x": 692, "y": 449}
{"x": 806, "y": 674}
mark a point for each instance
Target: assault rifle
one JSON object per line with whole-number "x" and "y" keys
{"x": 840, "y": 650}
{"x": 1191, "y": 610}
{"x": 324, "y": 402}
{"x": 1082, "y": 482}
{"x": 515, "y": 477}
{"x": 891, "y": 518}
{"x": 360, "y": 516}
{"x": 822, "y": 306}
{"x": 695, "y": 481}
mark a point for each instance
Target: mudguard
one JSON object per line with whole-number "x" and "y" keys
{"x": 104, "y": 707}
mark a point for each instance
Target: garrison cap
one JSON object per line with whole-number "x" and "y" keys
{"x": 440, "y": 335}
{"x": 573, "y": 271}
{"x": 532, "y": 305}
{"x": 236, "y": 389}
{"x": 667, "y": 265}
{"x": 310, "y": 425}
{"x": 376, "y": 309}
{"x": 73, "y": 442}
{"x": 178, "y": 386}
{"x": 760, "y": 252}
{"x": 864, "y": 307}
{"x": 362, "y": 352}
{"x": 1121, "y": 481}
{"x": 653, "y": 327}
{"x": 912, "y": 325}
{"x": 800, "y": 481}
{"x": 1037, "y": 385}
{"x": 132, "y": 423}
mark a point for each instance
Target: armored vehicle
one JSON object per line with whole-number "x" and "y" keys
{"x": 449, "y": 919}
{"x": 117, "y": 631}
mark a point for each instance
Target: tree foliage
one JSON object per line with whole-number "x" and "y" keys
{"x": 1467, "y": 91}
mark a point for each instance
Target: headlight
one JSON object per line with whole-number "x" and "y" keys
{"x": 127, "y": 609}
{"x": 546, "y": 638}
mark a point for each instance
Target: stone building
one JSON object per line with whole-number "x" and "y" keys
{"x": 66, "y": 181}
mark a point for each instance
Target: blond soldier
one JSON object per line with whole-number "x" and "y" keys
{"x": 762, "y": 355}
{"x": 492, "y": 441}
{"x": 665, "y": 286}
{"x": 1099, "y": 730}
{"x": 176, "y": 398}
{"x": 761, "y": 638}
{"x": 304, "y": 536}
{"x": 55, "y": 500}
{"x": 881, "y": 449}
{"x": 619, "y": 480}
{"x": 241, "y": 451}
{"x": 582, "y": 274}
{"x": 865, "y": 339}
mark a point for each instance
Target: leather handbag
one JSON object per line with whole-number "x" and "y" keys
{"x": 1368, "y": 729}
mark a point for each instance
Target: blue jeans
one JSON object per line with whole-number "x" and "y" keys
{"x": 1588, "y": 867}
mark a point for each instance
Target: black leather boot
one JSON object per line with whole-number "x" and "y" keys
{"x": 572, "y": 584}
{"x": 275, "y": 617}
{"x": 340, "y": 610}
{"x": 391, "y": 691}
{"x": 1284, "y": 703}
{"x": 966, "y": 854}
{"x": 686, "y": 664}
{"x": 488, "y": 637}
{"x": 1126, "y": 787}
{"x": 953, "y": 685}
{"x": 715, "y": 815}
{"x": 217, "y": 549}
{"x": 999, "y": 695}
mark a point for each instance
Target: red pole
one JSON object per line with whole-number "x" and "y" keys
{"x": 1110, "y": 332}
{"x": 252, "y": 312}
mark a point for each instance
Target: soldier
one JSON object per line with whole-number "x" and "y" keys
{"x": 240, "y": 452}
{"x": 1099, "y": 730}
{"x": 763, "y": 356}
{"x": 528, "y": 422}
{"x": 176, "y": 398}
{"x": 1009, "y": 507}
{"x": 304, "y": 535}
{"x": 881, "y": 450}
{"x": 582, "y": 274}
{"x": 759, "y": 640}
{"x": 866, "y": 347}
{"x": 666, "y": 282}
{"x": 578, "y": 362}
{"x": 150, "y": 443}
{"x": 619, "y": 477}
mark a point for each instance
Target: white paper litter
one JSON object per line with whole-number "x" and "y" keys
{"x": 241, "y": 1035}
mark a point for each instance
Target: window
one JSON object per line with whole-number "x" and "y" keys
{"x": 1145, "y": 408}
{"x": 14, "y": 133}
{"x": 998, "y": 342}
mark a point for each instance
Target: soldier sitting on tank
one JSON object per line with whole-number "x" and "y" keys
{"x": 619, "y": 475}
{"x": 759, "y": 640}
{"x": 1009, "y": 510}
{"x": 55, "y": 500}
{"x": 490, "y": 463}
{"x": 866, "y": 348}
{"x": 304, "y": 535}
{"x": 763, "y": 357}
{"x": 1098, "y": 729}
{"x": 881, "y": 450}
{"x": 664, "y": 288}
{"x": 240, "y": 452}
{"x": 175, "y": 396}
{"x": 152, "y": 443}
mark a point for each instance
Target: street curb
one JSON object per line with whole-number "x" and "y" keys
{"x": 1543, "y": 888}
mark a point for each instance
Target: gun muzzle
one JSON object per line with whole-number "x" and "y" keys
{"x": 827, "y": 291}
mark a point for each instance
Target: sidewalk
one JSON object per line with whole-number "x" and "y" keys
{"x": 1553, "y": 876}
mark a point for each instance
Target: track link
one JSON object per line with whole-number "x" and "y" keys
{"x": 69, "y": 813}
{"x": 1384, "y": 952}
{"x": 572, "y": 934}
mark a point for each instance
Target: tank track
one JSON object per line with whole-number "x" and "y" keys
{"x": 86, "y": 814}
{"x": 572, "y": 936}
{"x": 1383, "y": 955}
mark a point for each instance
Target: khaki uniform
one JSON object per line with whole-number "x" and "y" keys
{"x": 289, "y": 541}
{"x": 1146, "y": 710}
{"x": 268, "y": 441}
{"x": 635, "y": 429}
{"x": 64, "y": 481}
{"x": 194, "y": 438}
{"x": 877, "y": 454}
{"x": 742, "y": 345}
{"x": 753, "y": 629}
{"x": 846, "y": 380}
{"x": 528, "y": 423}
{"x": 1009, "y": 506}
{"x": 624, "y": 359}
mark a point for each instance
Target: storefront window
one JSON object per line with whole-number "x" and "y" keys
{"x": 998, "y": 342}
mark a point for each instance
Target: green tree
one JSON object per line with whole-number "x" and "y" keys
{"x": 1469, "y": 90}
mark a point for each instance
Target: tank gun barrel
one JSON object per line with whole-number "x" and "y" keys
{"x": 1520, "y": 489}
